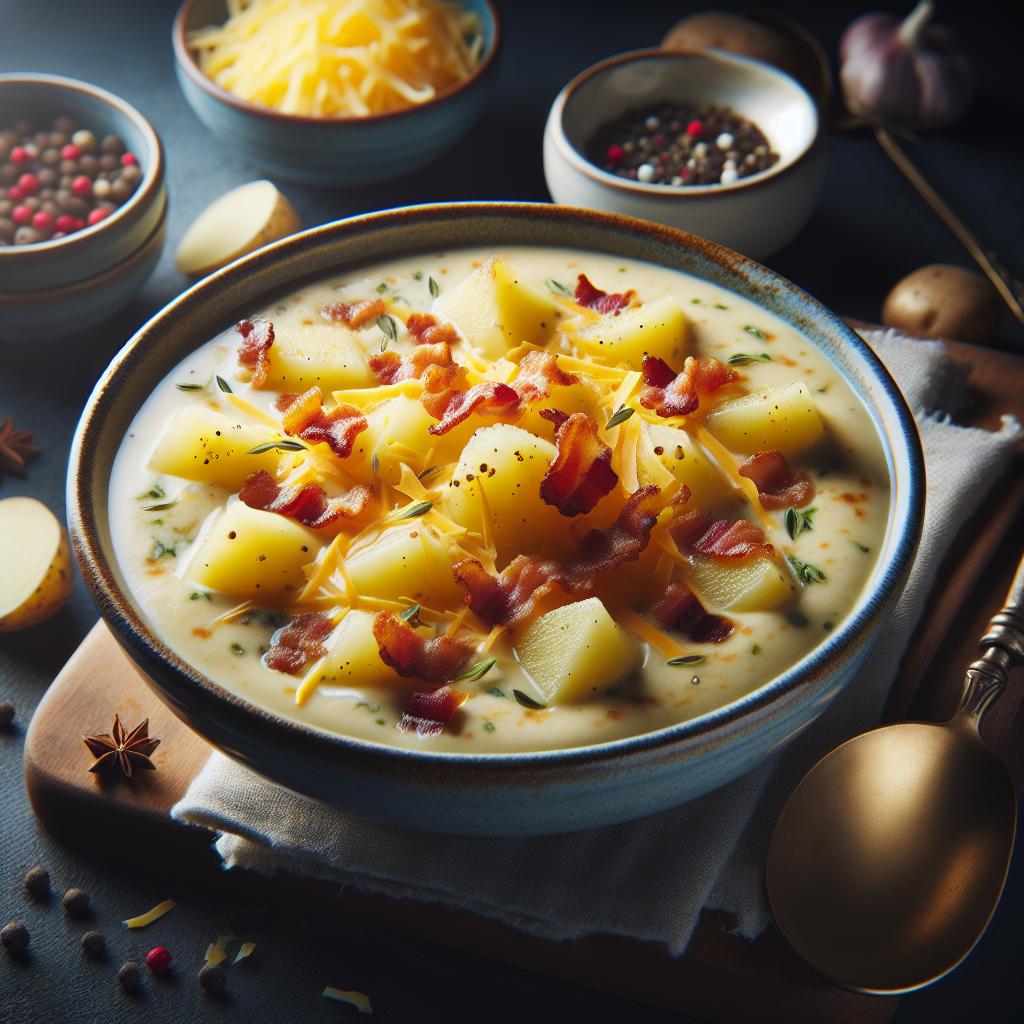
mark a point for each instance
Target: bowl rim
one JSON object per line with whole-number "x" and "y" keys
{"x": 903, "y": 450}
{"x": 186, "y": 61}
{"x": 152, "y": 174}
{"x": 712, "y": 190}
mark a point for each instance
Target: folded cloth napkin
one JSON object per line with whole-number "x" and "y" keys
{"x": 645, "y": 879}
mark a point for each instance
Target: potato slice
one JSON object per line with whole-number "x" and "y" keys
{"x": 658, "y": 328}
{"x": 326, "y": 355}
{"x": 783, "y": 418}
{"x": 202, "y": 444}
{"x": 237, "y": 223}
{"x": 496, "y": 309}
{"x": 353, "y": 656}
{"x": 37, "y": 574}
{"x": 573, "y": 651}
{"x": 754, "y": 585}
{"x": 684, "y": 459}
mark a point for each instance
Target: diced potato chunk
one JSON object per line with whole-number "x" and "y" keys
{"x": 253, "y": 555}
{"x": 684, "y": 459}
{"x": 753, "y": 585}
{"x": 783, "y": 418}
{"x": 578, "y": 397}
{"x": 507, "y": 464}
{"x": 409, "y": 560}
{"x": 353, "y": 657}
{"x": 202, "y": 444}
{"x": 575, "y": 650}
{"x": 396, "y": 432}
{"x": 326, "y": 355}
{"x": 496, "y": 308}
{"x": 658, "y": 328}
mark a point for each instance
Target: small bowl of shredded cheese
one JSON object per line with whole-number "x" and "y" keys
{"x": 337, "y": 92}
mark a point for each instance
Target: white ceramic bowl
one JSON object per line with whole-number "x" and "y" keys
{"x": 755, "y": 215}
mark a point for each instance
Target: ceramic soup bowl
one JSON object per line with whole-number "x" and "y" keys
{"x": 523, "y": 793}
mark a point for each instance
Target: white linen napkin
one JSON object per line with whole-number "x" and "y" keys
{"x": 649, "y": 878}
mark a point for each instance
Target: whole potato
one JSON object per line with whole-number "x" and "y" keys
{"x": 730, "y": 32}
{"x": 943, "y": 301}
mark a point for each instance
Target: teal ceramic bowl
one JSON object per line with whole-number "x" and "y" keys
{"x": 497, "y": 794}
{"x": 334, "y": 151}
{"x": 34, "y": 270}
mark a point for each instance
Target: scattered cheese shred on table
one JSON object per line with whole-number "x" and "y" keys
{"x": 150, "y": 915}
{"x": 244, "y": 951}
{"x": 217, "y": 952}
{"x": 339, "y": 58}
{"x": 360, "y": 1000}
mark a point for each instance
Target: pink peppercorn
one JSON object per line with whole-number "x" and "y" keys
{"x": 21, "y": 215}
{"x": 28, "y": 184}
{"x": 95, "y": 216}
{"x": 15, "y": 194}
{"x": 70, "y": 152}
{"x": 695, "y": 129}
{"x": 158, "y": 959}
{"x": 615, "y": 155}
{"x": 128, "y": 159}
{"x": 82, "y": 186}
{"x": 65, "y": 223}
{"x": 42, "y": 221}
{"x": 20, "y": 155}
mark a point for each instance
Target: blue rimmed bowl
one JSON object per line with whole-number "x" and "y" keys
{"x": 334, "y": 151}
{"x": 497, "y": 794}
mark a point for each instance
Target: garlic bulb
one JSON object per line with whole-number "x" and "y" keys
{"x": 911, "y": 73}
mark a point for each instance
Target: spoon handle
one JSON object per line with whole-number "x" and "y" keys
{"x": 1002, "y": 649}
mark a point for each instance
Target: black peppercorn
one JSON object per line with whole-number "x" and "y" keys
{"x": 212, "y": 978}
{"x": 94, "y": 945}
{"x": 76, "y": 903}
{"x": 14, "y": 936}
{"x": 130, "y": 976}
{"x": 37, "y": 882}
{"x": 6, "y": 707}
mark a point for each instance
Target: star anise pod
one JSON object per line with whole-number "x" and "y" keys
{"x": 130, "y": 751}
{"x": 17, "y": 448}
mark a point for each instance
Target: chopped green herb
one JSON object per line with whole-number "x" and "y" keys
{"x": 860, "y": 547}
{"x": 380, "y": 721}
{"x": 157, "y": 522}
{"x": 199, "y": 595}
{"x": 756, "y": 649}
{"x": 622, "y": 270}
{"x": 742, "y": 358}
{"x": 389, "y": 327}
{"x": 496, "y": 691}
{"x": 755, "y": 331}
{"x": 161, "y": 507}
{"x": 477, "y": 671}
{"x": 156, "y": 491}
{"x": 720, "y": 305}
{"x": 435, "y": 288}
{"x": 223, "y": 384}
{"x": 412, "y": 511}
{"x": 687, "y": 659}
{"x": 284, "y": 446}
{"x": 557, "y": 286}
{"x": 621, "y": 415}
{"x": 799, "y": 521}
{"x": 796, "y": 619}
{"x": 161, "y": 550}
{"x": 696, "y": 302}
{"x": 237, "y": 650}
{"x": 189, "y": 387}
{"x": 527, "y": 701}
{"x": 375, "y": 464}
{"x": 381, "y": 288}
{"x": 412, "y": 615}
{"x": 417, "y": 275}
{"x": 488, "y": 726}
{"x": 372, "y": 708}
{"x": 822, "y": 389}
{"x": 805, "y": 572}
{"x": 828, "y": 625}
{"x": 429, "y": 471}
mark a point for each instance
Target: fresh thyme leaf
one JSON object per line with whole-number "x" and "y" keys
{"x": 696, "y": 302}
{"x": 412, "y": 511}
{"x": 417, "y": 275}
{"x": 620, "y": 416}
{"x": 160, "y": 507}
{"x": 557, "y": 286}
{"x": 799, "y": 521}
{"x": 189, "y": 387}
{"x": 805, "y": 572}
{"x": 755, "y": 331}
{"x": 435, "y": 288}
{"x": 412, "y": 615}
{"x": 477, "y": 671}
{"x": 381, "y": 288}
{"x": 742, "y": 358}
{"x": 284, "y": 446}
{"x": 375, "y": 464}
{"x": 860, "y": 547}
{"x": 488, "y": 726}
{"x": 756, "y": 649}
{"x": 156, "y": 491}
{"x": 687, "y": 659}
{"x": 223, "y": 384}
{"x": 796, "y": 619}
{"x": 161, "y": 550}
{"x": 721, "y": 305}
{"x": 429, "y": 471}
{"x": 389, "y": 327}
{"x": 496, "y": 691}
{"x": 527, "y": 701}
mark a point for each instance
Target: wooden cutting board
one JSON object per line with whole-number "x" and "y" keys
{"x": 721, "y": 977}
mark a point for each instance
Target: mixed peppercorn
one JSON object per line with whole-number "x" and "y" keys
{"x": 58, "y": 181}
{"x": 679, "y": 144}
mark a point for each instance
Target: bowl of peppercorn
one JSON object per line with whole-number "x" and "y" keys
{"x": 719, "y": 145}
{"x": 82, "y": 203}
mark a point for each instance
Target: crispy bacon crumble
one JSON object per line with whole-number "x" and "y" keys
{"x": 777, "y": 483}
{"x": 390, "y": 367}
{"x": 450, "y": 406}
{"x": 678, "y": 394}
{"x": 307, "y": 504}
{"x": 424, "y": 329}
{"x": 411, "y": 654}
{"x": 538, "y": 373}
{"x": 354, "y": 314}
{"x": 429, "y": 711}
{"x": 697, "y": 532}
{"x": 304, "y": 416}
{"x": 254, "y": 349}
{"x": 293, "y": 646}
{"x": 680, "y": 610}
{"x": 505, "y": 599}
{"x": 592, "y": 297}
{"x": 581, "y": 473}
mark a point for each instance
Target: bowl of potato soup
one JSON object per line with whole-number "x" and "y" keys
{"x": 496, "y": 518}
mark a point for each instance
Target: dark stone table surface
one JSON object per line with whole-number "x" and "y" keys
{"x": 869, "y": 229}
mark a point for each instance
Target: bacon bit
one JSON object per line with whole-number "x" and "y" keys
{"x": 425, "y": 330}
{"x": 623, "y": 541}
{"x": 721, "y": 538}
{"x": 429, "y": 711}
{"x": 679, "y": 609}
{"x": 538, "y": 372}
{"x": 678, "y": 394}
{"x": 390, "y": 367}
{"x": 512, "y": 594}
{"x": 354, "y": 314}
{"x": 409, "y": 654}
{"x": 254, "y": 349}
{"x": 581, "y": 474}
{"x": 304, "y": 416}
{"x": 591, "y": 297}
{"x": 778, "y": 485}
{"x": 307, "y": 504}
{"x": 555, "y": 416}
{"x": 299, "y": 643}
{"x": 451, "y": 406}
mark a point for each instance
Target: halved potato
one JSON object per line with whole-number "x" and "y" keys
{"x": 658, "y": 328}
{"x": 326, "y": 355}
{"x": 353, "y": 655}
{"x": 784, "y": 418}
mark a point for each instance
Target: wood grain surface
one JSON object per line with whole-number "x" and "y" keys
{"x": 720, "y": 977}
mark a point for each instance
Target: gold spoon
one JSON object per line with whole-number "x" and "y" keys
{"x": 890, "y": 856}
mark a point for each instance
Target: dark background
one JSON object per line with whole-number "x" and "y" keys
{"x": 869, "y": 229}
